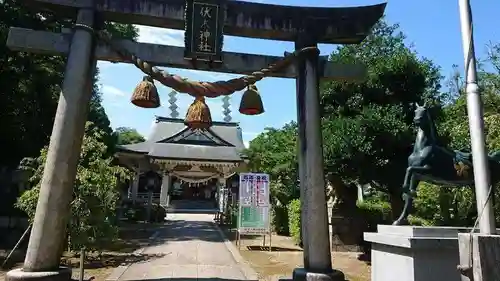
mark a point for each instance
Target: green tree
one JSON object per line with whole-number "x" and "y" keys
{"x": 30, "y": 84}
{"x": 275, "y": 152}
{"x": 127, "y": 135}
{"x": 95, "y": 195}
{"x": 367, "y": 126}
{"x": 456, "y": 206}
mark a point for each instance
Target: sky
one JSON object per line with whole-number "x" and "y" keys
{"x": 431, "y": 26}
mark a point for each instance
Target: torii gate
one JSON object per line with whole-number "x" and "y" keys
{"x": 306, "y": 26}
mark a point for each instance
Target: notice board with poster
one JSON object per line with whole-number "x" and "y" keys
{"x": 254, "y": 205}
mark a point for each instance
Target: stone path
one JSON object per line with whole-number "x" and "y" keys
{"x": 190, "y": 248}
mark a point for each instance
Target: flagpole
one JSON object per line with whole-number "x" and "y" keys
{"x": 486, "y": 217}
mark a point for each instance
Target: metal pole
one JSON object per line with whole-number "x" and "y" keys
{"x": 476, "y": 125}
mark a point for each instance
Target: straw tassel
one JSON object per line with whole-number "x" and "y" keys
{"x": 198, "y": 115}
{"x": 145, "y": 94}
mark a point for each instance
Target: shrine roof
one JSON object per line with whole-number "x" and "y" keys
{"x": 171, "y": 139}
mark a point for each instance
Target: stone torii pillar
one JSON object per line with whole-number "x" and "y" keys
{"x": 49, "y": 225}
{"x": 315, "y": 233}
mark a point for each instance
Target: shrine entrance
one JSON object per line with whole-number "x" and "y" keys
{"x": 205, "y": 23}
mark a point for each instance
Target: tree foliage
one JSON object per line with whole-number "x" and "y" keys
{"x": 127, "y": 135}
{"x": 368, "y": 129}
{"x": 443, "y": 205}
{"x": 275, "y": 152}
{"x": 30, "y": 89}
{"x": 367, "y": 126}
{"x": 95, "y": 193}
{"x": 30, "y": 84}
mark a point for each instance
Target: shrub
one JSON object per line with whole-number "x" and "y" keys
{"x": 134, "y": 212}
{"x": 158, "y": 213}
{"x": 279, "y": 219}
{"x": 138, "y": 212}
{"x": 417, "y": 221}
{"x": 231, "y": 215}
{"x": 294, "y": 222}
{"x": 375, "y": 213}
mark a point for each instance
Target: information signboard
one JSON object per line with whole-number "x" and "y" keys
{"x": 253, "y": 215}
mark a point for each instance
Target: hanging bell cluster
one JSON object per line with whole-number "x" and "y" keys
{"x": 198, "y": 114}
{"x": 145, "y": 94}
{"x": 251, "y": 103}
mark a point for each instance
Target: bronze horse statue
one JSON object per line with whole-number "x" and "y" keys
{"x": 436, "y": 164}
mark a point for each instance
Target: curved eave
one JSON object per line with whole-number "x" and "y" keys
{"x": 129, "y": 151}
{"x": 199, "y": 159}
{"x": 345, "y": 25}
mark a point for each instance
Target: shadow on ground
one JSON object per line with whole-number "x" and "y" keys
{"x": 273, "y": 249}
{"x": 182, "y": 230}
{"x": 186, "y": 279}
{"x": 207, "y": 279}
{"x": 111, "y": 260}
{"x": 231, "y": 233}
{"x": 131, "y": 237}
{"x": 134, "y": 236}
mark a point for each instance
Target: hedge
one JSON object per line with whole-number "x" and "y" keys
{"x": 294, "y": 221}
{"x": 376, "y": 213}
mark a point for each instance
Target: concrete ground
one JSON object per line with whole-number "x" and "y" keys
{"x": 190, "y": 248}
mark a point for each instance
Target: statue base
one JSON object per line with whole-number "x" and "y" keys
{"x": 63, "y": 274}
{"x": 301, "y": 274}
{"x": 414, "y": 253}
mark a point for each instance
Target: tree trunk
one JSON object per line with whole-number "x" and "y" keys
{"x": 397, "y": 203}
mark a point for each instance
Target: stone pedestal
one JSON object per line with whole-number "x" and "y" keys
{"x": 414, "y": 253}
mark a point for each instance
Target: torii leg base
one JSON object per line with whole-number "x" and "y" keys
{"x": 301, "y": 274}
{"x": 63, "y": 274}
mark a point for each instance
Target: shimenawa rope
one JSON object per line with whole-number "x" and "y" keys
{"x": 195, "y": 88}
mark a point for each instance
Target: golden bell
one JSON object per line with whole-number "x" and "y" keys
{"x": 251, "y": 103}
{"x": 145, "y": 94}
{"x": 198, "y": 114}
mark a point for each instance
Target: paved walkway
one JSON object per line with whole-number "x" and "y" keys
{"x": 190, "y": 248}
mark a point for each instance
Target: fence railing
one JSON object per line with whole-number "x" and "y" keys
{"x": 143, "y": 196}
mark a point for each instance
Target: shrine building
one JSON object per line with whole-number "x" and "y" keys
{"x": 185, "y": 165}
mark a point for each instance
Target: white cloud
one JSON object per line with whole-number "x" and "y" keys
{"x": 172, "y": 37}
{"x": 247, "y": 144}
{"x": 250, "y": 135}
{"x": 109, "y": 90}
{"x": 156, "y": 35}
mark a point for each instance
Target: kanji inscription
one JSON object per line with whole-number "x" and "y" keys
{"x": 204, "y": 24}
